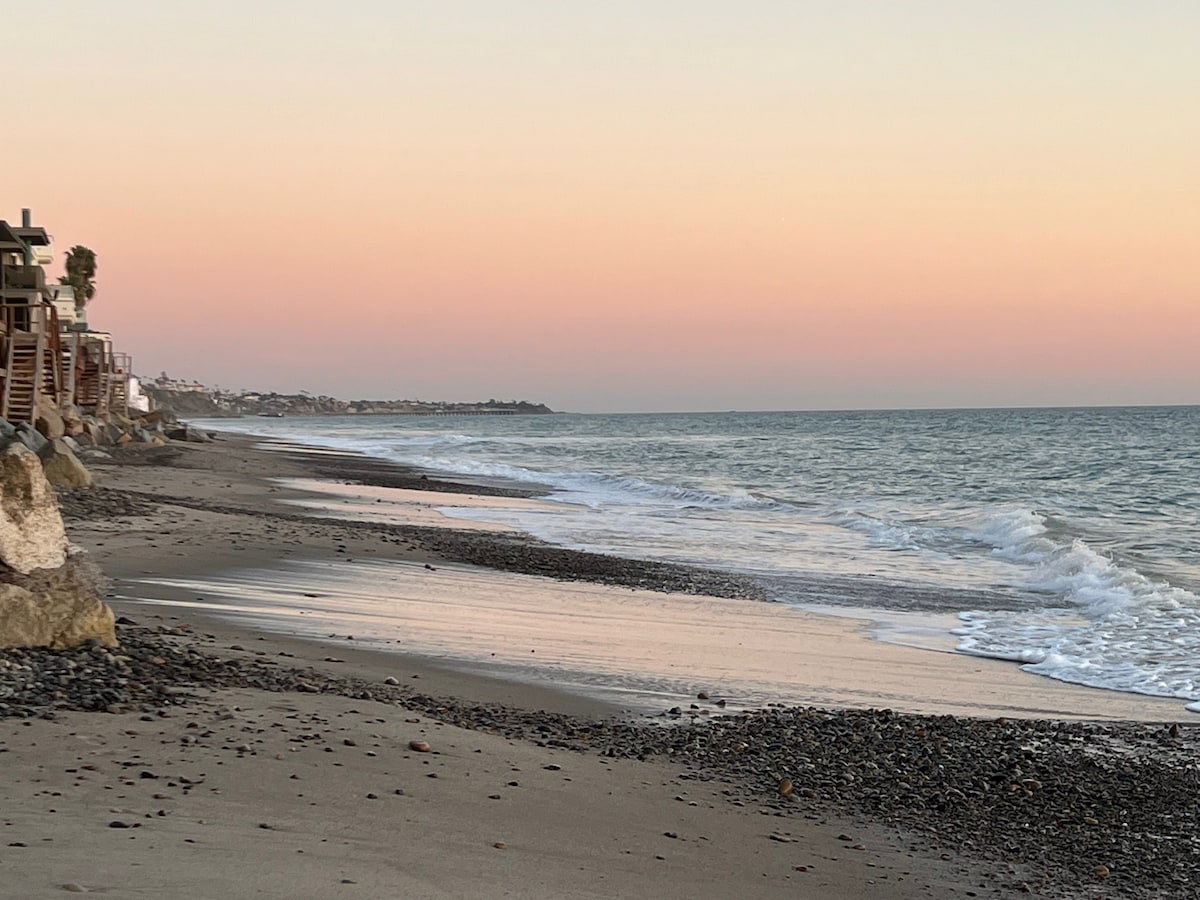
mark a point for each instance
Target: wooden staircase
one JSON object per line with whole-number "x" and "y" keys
{"x": 88, "y": 388}
{"x": 24, "y": 361}
{"x": 52, "y": 377}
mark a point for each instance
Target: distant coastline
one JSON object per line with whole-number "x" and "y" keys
{"x": 196, "y": 400}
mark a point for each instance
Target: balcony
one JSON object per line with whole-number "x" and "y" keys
{"x": 23, "y": 278}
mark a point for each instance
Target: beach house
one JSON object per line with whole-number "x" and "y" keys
{"x": 49, "y": 353}
{"x": 29, "y": 330}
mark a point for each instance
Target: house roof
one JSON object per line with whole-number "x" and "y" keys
{"x": 34, "y": 236}
{"x": 10, "y": 241}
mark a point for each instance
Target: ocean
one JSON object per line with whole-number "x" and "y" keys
{"x": 1065, "y": 540}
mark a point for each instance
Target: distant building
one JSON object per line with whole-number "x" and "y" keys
{"x": 70, "y": 316}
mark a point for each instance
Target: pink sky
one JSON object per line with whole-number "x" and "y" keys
{"x": 638, "y": 206}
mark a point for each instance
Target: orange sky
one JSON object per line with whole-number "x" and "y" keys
{"x": 638, "y": 206}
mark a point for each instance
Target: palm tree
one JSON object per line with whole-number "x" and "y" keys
{"x": 81, "y": 269}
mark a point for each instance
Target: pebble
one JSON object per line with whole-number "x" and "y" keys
{"x": 419, "y": 746}
{"x": 1085, "y": 791}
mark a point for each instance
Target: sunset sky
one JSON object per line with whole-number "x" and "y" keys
{"x": 628, "y": 205}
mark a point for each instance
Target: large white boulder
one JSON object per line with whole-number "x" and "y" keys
{"x": 58, "y": 608}
{"x": 31, "y": 529}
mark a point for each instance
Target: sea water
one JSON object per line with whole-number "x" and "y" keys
{"x": 1067, "y": 540}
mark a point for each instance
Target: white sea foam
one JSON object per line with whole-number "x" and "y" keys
{"x": 1013, "y": 533}
{"x": 1113, "y": 628}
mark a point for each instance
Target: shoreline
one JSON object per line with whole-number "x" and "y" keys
{"x": 261, "y": 498}
{"x": 879, "y": 804}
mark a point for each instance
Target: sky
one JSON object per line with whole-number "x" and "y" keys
{"x": 628, "y": 205}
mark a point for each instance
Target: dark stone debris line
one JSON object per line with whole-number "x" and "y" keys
{"x": 1097, "y": 810}
{"x": 504, "y": 551}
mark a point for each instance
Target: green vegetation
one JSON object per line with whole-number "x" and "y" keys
{"x": 81, "y": 269}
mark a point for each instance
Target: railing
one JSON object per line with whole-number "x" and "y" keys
{"x": 120, "y": 367}
{"x": 31, "y": 329}
{"x": 93, "y": 370}
{"x": 22, "y": 278}
{"x": 18, "y": 316}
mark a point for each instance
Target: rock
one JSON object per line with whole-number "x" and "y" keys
{"x": 391, "y": 679}
{"x": 48, "y": 421}
{"x": 30, "y": 437}
{"x": 187, "y": 433}
{"x": 784, "y": 788}
{"x": 92, "y": 453}
{"x": 1101, "y": 871}
{"x": 703, "y": 695}
{"x": 419, "y": 746}
{"x": 62, "y": 466}
{"x": 153, "y": 417}
{"x": 72, "y": 419}
{"x": 55, "y": 608}
{"x": 31, "y": 529}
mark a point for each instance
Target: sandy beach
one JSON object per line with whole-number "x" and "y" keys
{"x": 288, "y": 770}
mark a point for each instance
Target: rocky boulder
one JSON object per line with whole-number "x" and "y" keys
{"x": 30, "y": 437}
{"x": 93, "y": 432}
{"x": 48, "y": 421}
{"x": 31, "y": 530}
{"x": 47, "y": 598}
{"x": 72, "y": 419}
{"x": 62, "y": 467}
{"x": 56, "y": 608}
{"x": 188, "y": 433}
